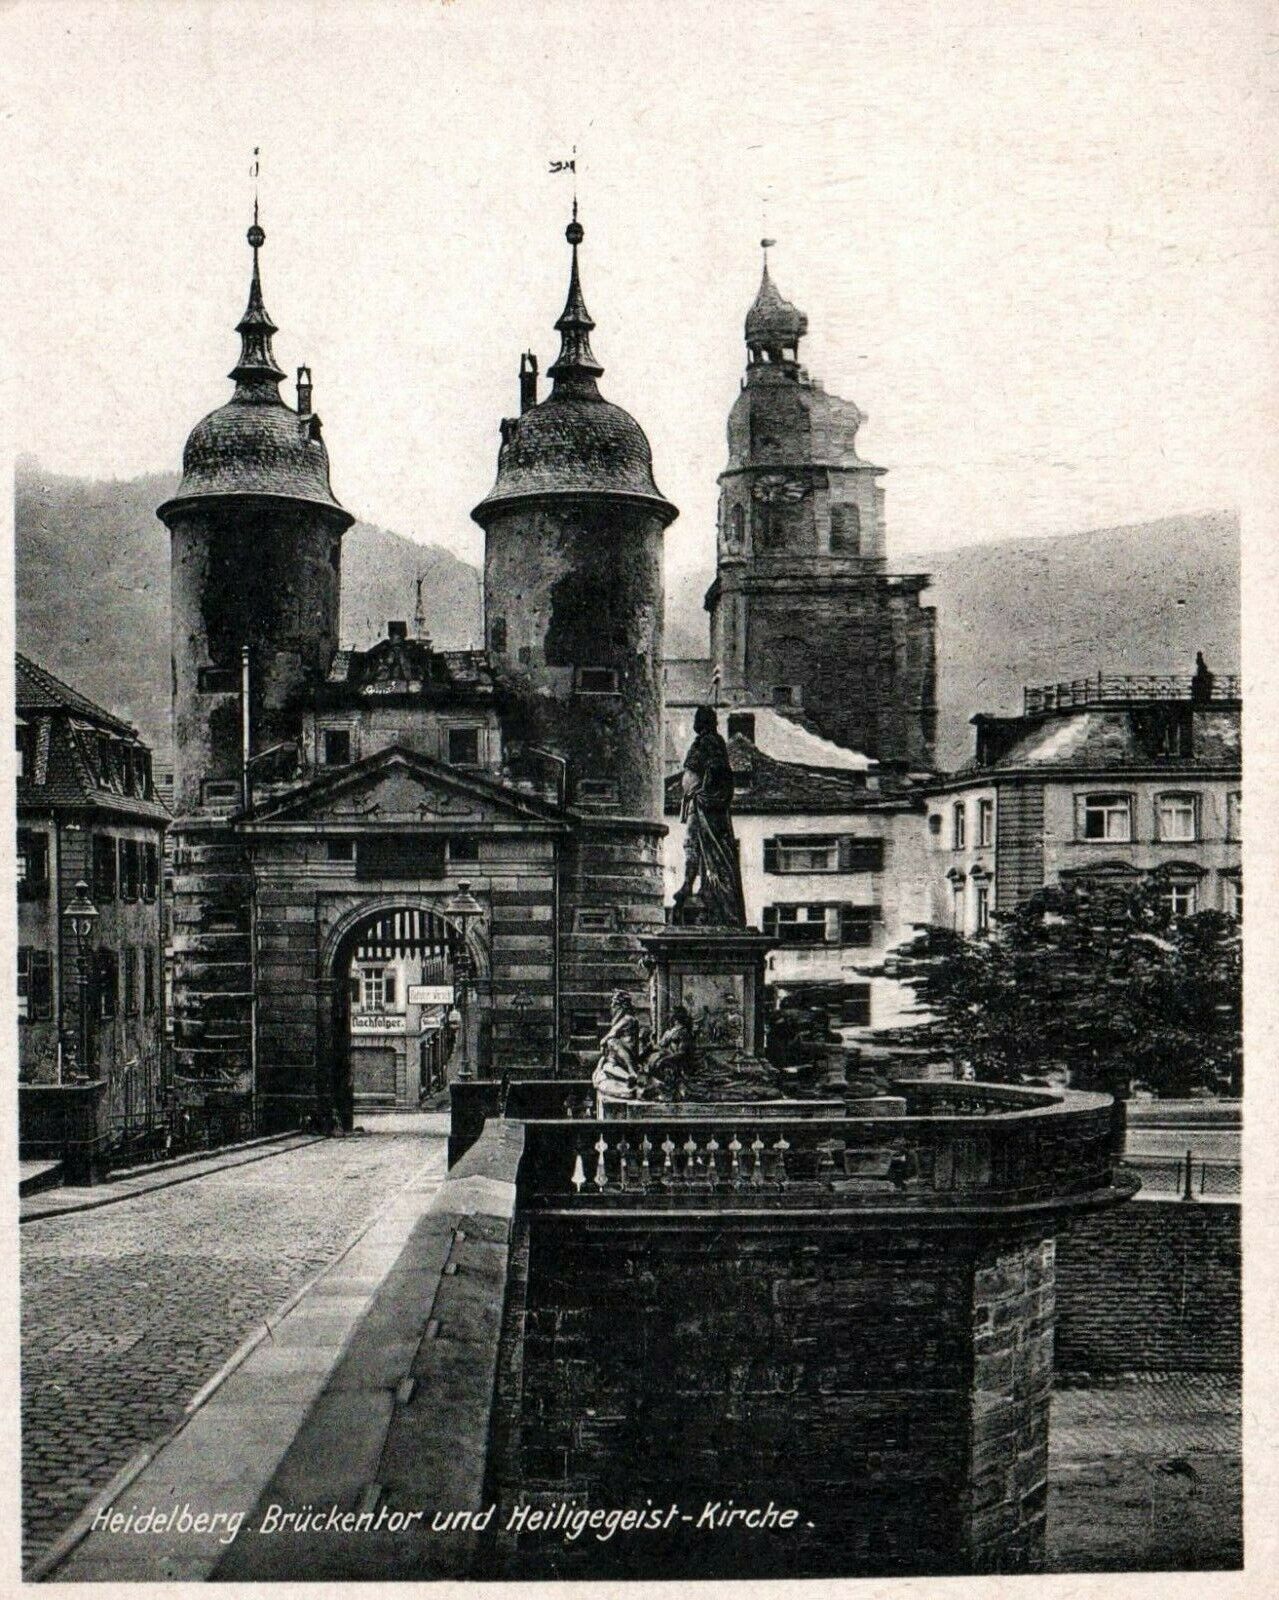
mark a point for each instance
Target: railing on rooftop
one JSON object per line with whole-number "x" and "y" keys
{"x": 1120, "y": 689}
{"x": 957, "y": 1145}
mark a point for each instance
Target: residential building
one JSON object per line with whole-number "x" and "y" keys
{"x": 1116, "y": 777}
{"x": 88, "y": 813}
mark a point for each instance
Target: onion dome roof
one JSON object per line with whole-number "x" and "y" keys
{"x": 773, "y": 322}
{"x": 575, "y": 441}
{"x": 256, "y": 444}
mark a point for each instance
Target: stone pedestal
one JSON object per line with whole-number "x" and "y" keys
{"x": 717, "y": 974}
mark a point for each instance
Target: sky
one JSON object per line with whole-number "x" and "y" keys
{"x": 1031, "y": 240}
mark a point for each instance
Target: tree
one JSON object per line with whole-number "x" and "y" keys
{"x": 1100, "y": 979}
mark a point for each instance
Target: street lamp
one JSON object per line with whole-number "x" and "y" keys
{"x": 81, "y": 914}
{"x": 464, "y": 909}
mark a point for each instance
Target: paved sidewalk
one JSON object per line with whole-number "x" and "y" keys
{"x": 159, "y": 1175}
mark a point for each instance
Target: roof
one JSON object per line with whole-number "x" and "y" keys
{"x": 1111, "y": 739}
{"x": 772, "y": 320}
{"x": 78, "y": 756}
{"x": 779, "y": 735}
{"x": 766, "y": 785}
{"x": 408, "y": 667}
{"x": 37, "y": 689}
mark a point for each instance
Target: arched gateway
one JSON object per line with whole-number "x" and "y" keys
{"x": 401, "y": 991}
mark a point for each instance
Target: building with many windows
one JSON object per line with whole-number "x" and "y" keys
{"x": 87, "y": 813}
{"x": 1118, "y": 777}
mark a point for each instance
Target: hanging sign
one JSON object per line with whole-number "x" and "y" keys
{"x": 430, "y": 994}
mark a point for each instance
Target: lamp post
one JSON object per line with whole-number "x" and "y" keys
{"x": 464, "y": 909}
{"x": 81, "y": 914}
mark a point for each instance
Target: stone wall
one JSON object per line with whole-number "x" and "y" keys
{"x": 1153, "y": 1286}
{"x": 826, "y": 1371}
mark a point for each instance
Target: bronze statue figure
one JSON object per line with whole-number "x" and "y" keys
{"x": 710, "y": 850}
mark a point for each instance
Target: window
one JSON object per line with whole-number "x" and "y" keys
{"x": 1177, "y": 818}
{"x": 148, "y": 981}
{"x": 130, "y": 982}
{"x": 33, "y": 865}
{"x": 854, "y": 1007}
{"x": 741, "y": 724}
{"x": 1234, "y": 815}
{"x": 1234, "y": 898}
{"x": 35, "y": 985}
{"x": 785, "y": 694}
{"x": 150, "y": 871}
{"x": 497, "y": 636}
{"x": 218, "y": 680}
{"x": 982, "y": 907}
{"x": 935, "y": 822}
{"x": 218, "y": 792}
{"x": 103, "y": 869}
{"x": 108, "y": 982}
{"x": 985, "y": 822}
{"x": 597, "y": 680}
{"x": 801, "y": 854}
{"x": 1104, "y": 817}
{"x": 823, "y": 853}
{"x": 737, "y": 527}
{"x": 596, "y": 919}
{"x": 377, "y": 988}
{"x": 821, "y": 924}
{"x": 959, "y": 825}
{"x": 129, "y": 870}
{"x": 397, "y": 855}
{"x": 340, "y": 849}
{"x": 337, "y": 747}
{"x": 597, "y": 791}
{"x": 464, "y": 848}
{"x": 20, "y": 733}
{"x": 845, "y": 531}
{"x": 1182, "y": 899}
{"x": 464, "y": 747}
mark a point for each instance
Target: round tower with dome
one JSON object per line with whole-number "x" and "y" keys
{"x": 255, "y": 564}
{"x": 574, "y": 604}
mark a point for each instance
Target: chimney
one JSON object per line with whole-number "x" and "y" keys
{"x": 304, "y": 391}
{"x": 528, "y": 381}
{"x": 397, "y": 630}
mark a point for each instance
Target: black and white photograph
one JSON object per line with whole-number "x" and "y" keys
{"x": 629, "y": 697}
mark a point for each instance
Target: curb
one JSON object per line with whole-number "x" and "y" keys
{"x": 45, "y": 1565}
{"x": 279, "y": 1148}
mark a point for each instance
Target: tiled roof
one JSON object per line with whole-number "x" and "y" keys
{"x": 409, "y": 666}
{"x": 256, "y": 447}
{"x": 36, "y": 689}
{"x": 1109, "y": 739}
{"x": 65, "y": 776}
{"x": 786, "y": 736}
{"x": 574, "y": 444}
{"x": 773, "y": 786}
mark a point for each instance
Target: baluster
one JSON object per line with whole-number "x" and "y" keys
{"x": 645, "y": 1172}
{"x": 623, "y": 1162}
{"x": 825, "y": 1162}
{"x": 781, "y": 1146}
{"x": 712, "y": 1161}
{"x": 757, "y": 1166}
{"x": 601, "y": 1149}
{"x": 579, "y": 1172}
{"x": 691, "y": 1160}
{"x": 668, "y": 1165}
{"x": 735, "y": 1162}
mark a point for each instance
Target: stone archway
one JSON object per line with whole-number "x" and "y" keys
{"x": 392, "y": 927}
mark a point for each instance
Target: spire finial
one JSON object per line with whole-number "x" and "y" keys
{"x": 576, "y": 366}
{"x": 257, "y": 377}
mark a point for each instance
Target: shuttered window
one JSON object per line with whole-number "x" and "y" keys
{"x": 796, "y": 853}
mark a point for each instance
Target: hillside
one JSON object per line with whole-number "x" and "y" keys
{"x": 1141, "y": 598}
{"x": 93, "y": 599}
{"x": 92, "y": 579}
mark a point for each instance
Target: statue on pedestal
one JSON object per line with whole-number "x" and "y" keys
{"x": 710, "y": 849}
{"x": 616, "y": 1074}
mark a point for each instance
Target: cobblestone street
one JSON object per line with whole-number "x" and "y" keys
{"x": 128, "y": 1310}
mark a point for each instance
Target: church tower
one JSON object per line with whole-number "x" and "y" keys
{"x": 804, "y": 614}
{"x": 574, "y": 601}
{"x": 255, "y": 570}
